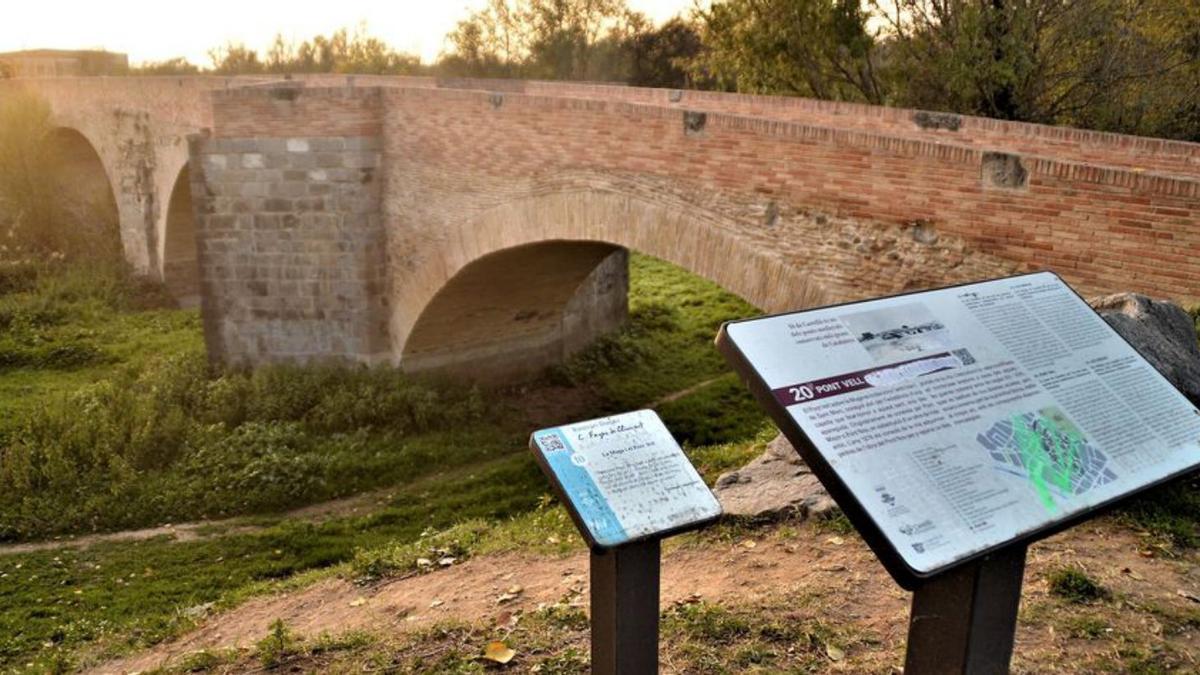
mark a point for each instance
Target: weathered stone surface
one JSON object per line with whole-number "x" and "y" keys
{"x": 776, "y": 483}
{"x": 1162, "y": 331}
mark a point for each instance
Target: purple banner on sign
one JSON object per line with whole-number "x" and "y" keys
{"x": 815, "y": 390}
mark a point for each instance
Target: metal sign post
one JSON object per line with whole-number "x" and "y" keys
{"x": 627, "y": 485}
{"x": 625, "y": 609}
{"x": 963, "y": 622}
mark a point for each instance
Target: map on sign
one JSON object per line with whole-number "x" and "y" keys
{"x": 961, "y": 419}
{"x": 624, "y": 478}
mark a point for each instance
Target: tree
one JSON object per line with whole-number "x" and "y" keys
{"x": 660, "y": 57}
{"x": 175, "y": 66}
{"x": 818, "y": 48}
{"x": 235, "y": 59}
{"x": 1110, "y": 64}
{"x": 341, "y": 52}
{"x": 1120, "y": 65}
{"x": 549, "y": 39}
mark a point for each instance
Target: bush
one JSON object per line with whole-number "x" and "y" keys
{"x": 1076, "y": 586}
{"x": 177, "y": 439}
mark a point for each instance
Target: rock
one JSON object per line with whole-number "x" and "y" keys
{"x": 1162, "y": 332}
{"x": 776, "y": 483}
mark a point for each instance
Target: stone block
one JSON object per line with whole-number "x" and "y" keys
{"x": 253, "y": 160}
{"x": 361, "y": 160}
{"x": 362, "y": 143}
{"x": 297, "y": 145}
{"x": 330, "y": 160}
{"x": 330, "y": 144}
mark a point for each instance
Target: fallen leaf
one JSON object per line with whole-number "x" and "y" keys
{"x": 498, "y": 652}
{"x": 515, "y": 590}
{"x": 506, "y": 597}
{"x": 436, "y": 603}
{"x": 424, "y": 562}
{"x": 749, "y": 543}
{"x": 447, "y": 561}
{"x": 358, "y": 602}
{"x": 836, "y": 541}
{"x": 834, "y": 652}
{"x": 1188, "y": 594}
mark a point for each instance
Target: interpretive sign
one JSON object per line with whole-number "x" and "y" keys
{"x": 627, "y": 484}
{"x": 624, "y": 478}
{"x": 954, "y": 422}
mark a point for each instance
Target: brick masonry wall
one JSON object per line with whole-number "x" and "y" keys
{"x": 1104, "y": 229}
{"x": 1064, "y": 143}
{"x": 290, "y": 247}
{"x": 784, "y": 201}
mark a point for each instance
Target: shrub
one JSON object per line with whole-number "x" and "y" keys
{"x": 177, "y": 439}
{"x": 1074, "y": 585}
{"x": 277, "y": 646}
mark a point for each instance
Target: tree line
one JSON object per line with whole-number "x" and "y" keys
{"x": 1129, "y": 66}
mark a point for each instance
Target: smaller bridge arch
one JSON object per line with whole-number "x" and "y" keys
{"x": 528, "y": 282}
{"x": 86, "y": 189}
{"x": 180, "y": 266}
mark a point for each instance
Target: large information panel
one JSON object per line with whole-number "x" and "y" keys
{"x": 624, "y": 478}
{"x": 949, "y": 423}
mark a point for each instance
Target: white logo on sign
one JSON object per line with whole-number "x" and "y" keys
{"x": 801, "y": 393}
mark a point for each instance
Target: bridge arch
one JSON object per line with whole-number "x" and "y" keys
{"x": 180, "y": 266}
{"x": 527, "y": 282}
{"x": 86, "y": 188}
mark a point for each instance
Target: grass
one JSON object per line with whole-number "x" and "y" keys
{"x": 167, "y": 440}
{"x": 1074, "y": 585}
{"x": 764, "y": 637}
{"x": 128, "y": 595}
{"x": 668, "y": 347}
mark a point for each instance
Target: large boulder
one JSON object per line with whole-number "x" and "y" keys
{"x": 1161, "y": 331}
{"x": 775, "y": 484}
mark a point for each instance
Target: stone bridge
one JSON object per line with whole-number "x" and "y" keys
{"x": 483, "y": 227}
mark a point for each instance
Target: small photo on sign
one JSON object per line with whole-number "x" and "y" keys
{"x": 895, "y": 333}
{"x": 624, "y": 478}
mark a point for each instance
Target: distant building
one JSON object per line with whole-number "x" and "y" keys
{"x": 62, "y": 62}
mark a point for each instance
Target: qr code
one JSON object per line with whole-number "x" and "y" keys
{"x": 964, "y": 356}
{"x": 550, "y": 443}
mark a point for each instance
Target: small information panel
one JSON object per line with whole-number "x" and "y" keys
{"x": 952, "y": 422}
{"x": 624, "y": 478}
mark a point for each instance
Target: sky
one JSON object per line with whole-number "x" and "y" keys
{"x": 154, "y": 30}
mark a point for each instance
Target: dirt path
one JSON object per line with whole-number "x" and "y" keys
{"x": 675, "y": 396}
{"x": 839, "y": 573}
{"x": 203, "y": 529}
